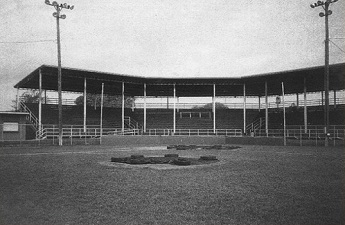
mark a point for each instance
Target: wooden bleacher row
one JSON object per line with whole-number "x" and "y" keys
{"x": 163, "y": 118}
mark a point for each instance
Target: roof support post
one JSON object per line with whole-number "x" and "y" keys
{"x": 214, "y": 108}
{"x": 123, "y": 107}
{"x": 244, "y": 108}
{"x": 84, "y": 120}
{"x": 17, "y": 100}
{"x": 284, "y": 119}
{"x": 174, "y": 114}
{"x": 101, "y": 119}
{"x": 297, "y": 100}
{"x": 335, "y": 99}
{"x": 266, "y": 109}
{"x": 305, "y": 106}
{"x": 144, "y": 107}
{"x": 259, "y": 103}
{"x": 40, "y": 100}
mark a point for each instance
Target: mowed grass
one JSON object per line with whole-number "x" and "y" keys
{"x": 251, "y": 185}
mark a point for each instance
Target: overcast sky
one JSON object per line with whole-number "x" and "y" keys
{"x": 166, "y": 38}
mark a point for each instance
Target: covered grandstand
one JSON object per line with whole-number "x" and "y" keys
{"x": 262, "y": 117}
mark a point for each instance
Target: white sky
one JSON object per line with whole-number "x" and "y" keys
{"x": 164, "y": 38}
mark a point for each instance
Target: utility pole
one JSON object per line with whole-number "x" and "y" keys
{"x": 326, "y": 13}
{"x": 58, "y": 7}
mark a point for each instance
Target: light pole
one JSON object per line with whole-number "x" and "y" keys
{"x": 326, "y": 13}
{"x": 58, "y": 7}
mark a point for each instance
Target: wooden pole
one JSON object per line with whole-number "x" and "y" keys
{"x": 283, "y": 99}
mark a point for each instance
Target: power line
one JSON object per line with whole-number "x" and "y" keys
{"x": 25, "y": 42}
{"x": 337, "y": 46}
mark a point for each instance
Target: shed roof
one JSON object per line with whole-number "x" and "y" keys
{"x": 73, "y": 81}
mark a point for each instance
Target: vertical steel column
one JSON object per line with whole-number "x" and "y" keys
{"x": 297, "y": 100}
{"x": 259, "y": 103}
{"x": 174, "y": 115}
{"x": 17, "y": 100}
{"x": 244, "y": 108}
{"x": 214, "y": 108}
{"x": 266, "y": 109}
{"x": 40, "y": 100}
{"x": 305, "y": 106}
{"x": 335, "y": 99}
{"x": 101, "y": 122}
{"x": 144, "y": 107}
{"x": 84, "y": 120}
{"x": 123, "y": 107}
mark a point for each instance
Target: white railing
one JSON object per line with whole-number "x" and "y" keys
{"x": 161, "y": 105}
{"x": 41, "y": 134}
{"x": 31, "y": 117}
{"x": 298, "y": 132}
{"x": 194, "y": 132}
{"x": 131, "y": 123}
{"x": 52, "y": 131}
{"x": 255, "y": 125}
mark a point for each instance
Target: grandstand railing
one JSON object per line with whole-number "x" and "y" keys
{"x": 255, "y": 125}
{"x": 131, "y": 123}
{"x": 317, "y": 132}
{"x": 52, "y": 131}
{"x": 194, "y": 132}
{"x": 310, "y": 102}
{"x": 31, "y": 117}
{"x": 68, "y": 131}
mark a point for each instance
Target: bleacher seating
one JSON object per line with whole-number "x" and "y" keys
{"x": 74, "y": 115}
{"x": 198, "y": 119}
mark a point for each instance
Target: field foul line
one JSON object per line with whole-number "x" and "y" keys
{"x": 53, "y": 153}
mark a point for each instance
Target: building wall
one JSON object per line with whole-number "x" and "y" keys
{"x": 18, "y": 134}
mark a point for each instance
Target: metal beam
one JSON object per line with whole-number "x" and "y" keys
{"x": 84, "y": 119}
{"x": 266, "y": 109}
{"x": 145, "y": 107}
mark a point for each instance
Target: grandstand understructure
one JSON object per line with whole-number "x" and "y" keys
{"x": 263, "y": 116}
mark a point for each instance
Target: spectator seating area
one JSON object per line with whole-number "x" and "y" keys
{"x": 185, "y": 118}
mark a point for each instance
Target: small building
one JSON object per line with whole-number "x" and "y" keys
{"x": 13, "y": 126}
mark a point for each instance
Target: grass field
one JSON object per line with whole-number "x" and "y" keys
{"x": 250, "y": 185}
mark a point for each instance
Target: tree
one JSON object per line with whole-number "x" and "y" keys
{"x": 108, "y": 101}
{"x": 31, "y": 96}
{"x": 210, "y": 105}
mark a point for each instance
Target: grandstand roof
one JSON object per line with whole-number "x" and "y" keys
{"x": 73, "y": 81}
